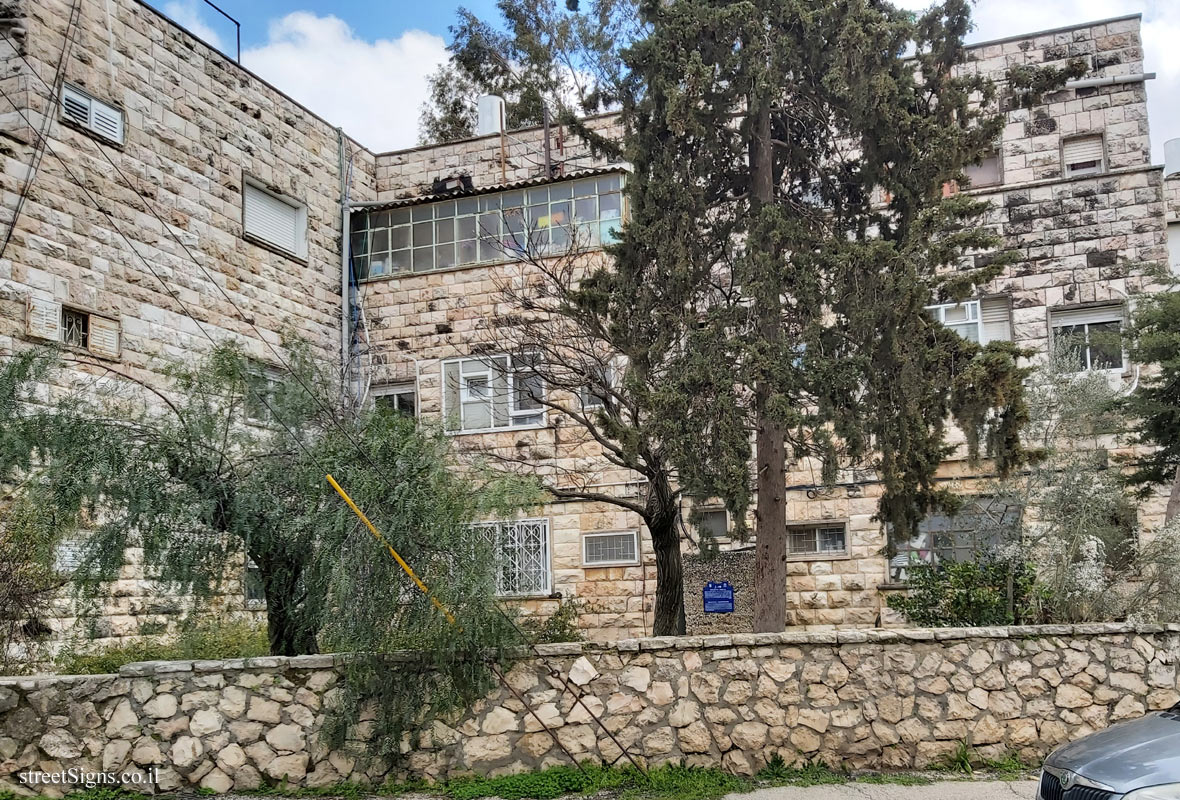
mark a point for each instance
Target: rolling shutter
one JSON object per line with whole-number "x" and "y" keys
{"x": 997, "y": 319}
{"x": 43, "y": 319}
{"x": 104, "y": 337}
{"x": 270, "y": 218}
{"x": 1087, "y": 316}
{"x": 1083, "y": 153}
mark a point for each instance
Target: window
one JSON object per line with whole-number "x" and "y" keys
{"x": 1091, "y": 338}
{"x": 987, "y": 172}
{"x": 400, "y": 398}
{"x": 90, "y": 113}
{"x": 614, "y": 549}
{"x": 713, "y": 523}
{"x": 252, "y": 586}
{"x": 274, "y": 219}
{"x": 596, "y": 394}
{"x": 486, "y": 228}
{"x": 522, "y": 556}
{"x": 74, "y": 327}
{"x": 491, "y": 392}
{"x": 982, "y": 524}
{"x": 1083, "y": 155}
{"x": 262, "y": 382}
{"x": 67, "y": 556}
{"x": 816, "y": 540}
{"x": 980, "y": 321}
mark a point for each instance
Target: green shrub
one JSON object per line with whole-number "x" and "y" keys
{"x": 213, "y": 639}
{"x": 560, "y": 626}
{"x": 968, "y": 593}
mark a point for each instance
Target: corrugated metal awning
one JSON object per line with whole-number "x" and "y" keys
{"x": 499, "y": 187}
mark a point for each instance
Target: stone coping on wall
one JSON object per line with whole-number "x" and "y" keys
{"x": 720, "y": 642}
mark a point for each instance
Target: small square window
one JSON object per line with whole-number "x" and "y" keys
{"x": 75, "y": 328}
{"x": 274, "y": 219}
{"x": 1083, "y": 155}
{"x": 1091, "y": 338}
{"x": 617, "y": 548}
{"x": 713, "y": 523}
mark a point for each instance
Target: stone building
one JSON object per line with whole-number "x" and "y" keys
{"x": 177, "y": 197}
{"x": 1072, "y": 188}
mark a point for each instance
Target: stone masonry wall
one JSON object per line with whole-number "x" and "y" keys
{"x": 195, "y": 125}
{"x": 861, "y": 699}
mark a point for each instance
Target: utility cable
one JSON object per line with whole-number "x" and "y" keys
{"x": 54, "y": 92}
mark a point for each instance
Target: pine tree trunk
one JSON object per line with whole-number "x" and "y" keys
{"x": 661, "y": 523}
{"x": 1174, "y": 499}
{"x": 770, "y": 571}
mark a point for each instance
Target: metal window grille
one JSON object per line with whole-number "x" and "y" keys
{"x": 602, "y": 549}
{"x": 75, "y": 328}
{"x": 522, "y": 556}
{"x": 816, "y": 540}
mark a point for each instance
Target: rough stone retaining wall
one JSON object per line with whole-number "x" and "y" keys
{"x": 866, "y": 699}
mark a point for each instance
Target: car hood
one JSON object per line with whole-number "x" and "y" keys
{"x": 1145, "y": 752}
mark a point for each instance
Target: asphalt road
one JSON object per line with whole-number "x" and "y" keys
{"x": 948, "y": 790}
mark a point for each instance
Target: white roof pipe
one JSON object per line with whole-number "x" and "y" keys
{"x": 1086, "y": 83}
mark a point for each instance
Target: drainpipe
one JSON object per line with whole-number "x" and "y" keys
{"x": 345, "y": 304}
{"x": 1112, "y": 80}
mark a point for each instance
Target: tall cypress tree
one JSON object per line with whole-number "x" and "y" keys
{"x": 788, "y": 212}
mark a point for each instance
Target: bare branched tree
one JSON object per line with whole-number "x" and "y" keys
{"x": 598, "y": 381}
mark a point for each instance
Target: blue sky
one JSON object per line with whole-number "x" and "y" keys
{"x": 363, "y": 64}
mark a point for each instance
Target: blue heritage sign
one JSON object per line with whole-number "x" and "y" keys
{"x": 718, "y": 597}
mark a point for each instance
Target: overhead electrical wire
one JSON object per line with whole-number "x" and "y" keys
{"x": 38, "y": 151}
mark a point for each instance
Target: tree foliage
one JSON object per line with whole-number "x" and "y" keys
{"x": 46, "y": 448}
{"x": 563, "y": 55}
{"x": 788, "y": 212}
{"x": 1155, "y": 339}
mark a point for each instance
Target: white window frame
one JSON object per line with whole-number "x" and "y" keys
{"x": 300, "y": 251}
{"x": 974, "y": 315}
{"x": 815, "y": 527}
{"x": 513, "y": 413}
{"x": 497, "y": 529}
{"x": 96, "y": 112}
{"x": 1098, "y": 169}
{"x": 589, "y": 564}
{"x": 998, "y": 155}
{"x": 397, "y": 389}
{"x": 1096, "y": 315}
{"x": 45, "y": 320}
{"x": 586, "y": 396}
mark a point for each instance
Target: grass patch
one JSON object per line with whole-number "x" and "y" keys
{"x": 215, "y": 639}
{"x": 816, "y": 773}
{"x": 668, "y": 781}
{"x": 895, "y": 779}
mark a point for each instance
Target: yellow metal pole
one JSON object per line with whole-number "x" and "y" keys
{"x": 381, "y": 539}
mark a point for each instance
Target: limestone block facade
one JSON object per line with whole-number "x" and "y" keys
{"x": 193, "y": 127}
{"x": 145, "y": 217}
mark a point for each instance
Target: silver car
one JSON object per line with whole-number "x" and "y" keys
{"x": 1137, "y": 760}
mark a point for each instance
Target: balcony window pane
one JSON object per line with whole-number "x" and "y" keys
{"x": 380, "y": 240}
{"x": 610, "y": 206}
{"x": 399, "y": 237}
{"x": 468, "y": 252}
{"x": 444, "y": 230}
{"x": 423, "y": 258}
{"x": 399, "y": 261}
{"x": 465, "y": 228}
{"x": 399, "y": 216}
{"x": 444, "y": 256}
{"x": 586, "y": 209}
{"x": 468, "y": 205}
{"x": 444, "y": 210}
{"x": 421, "y": 213}
{"x": 539, "y": 194}
{"x": 423, "y": 234}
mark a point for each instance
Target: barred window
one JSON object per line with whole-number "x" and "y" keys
{"x": 579, "y": 212}
{"x": 805, "y": 540}
{"x": 522, "y": 556}
{"x": 615, "y": 548}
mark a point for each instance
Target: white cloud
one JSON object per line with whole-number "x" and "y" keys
{"x": 995, "y": 19}
{"x": 373, "y": 89}
{"x": 188, "y": 14}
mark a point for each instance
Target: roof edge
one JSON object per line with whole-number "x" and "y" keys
{"x": 1047, "y": 31}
